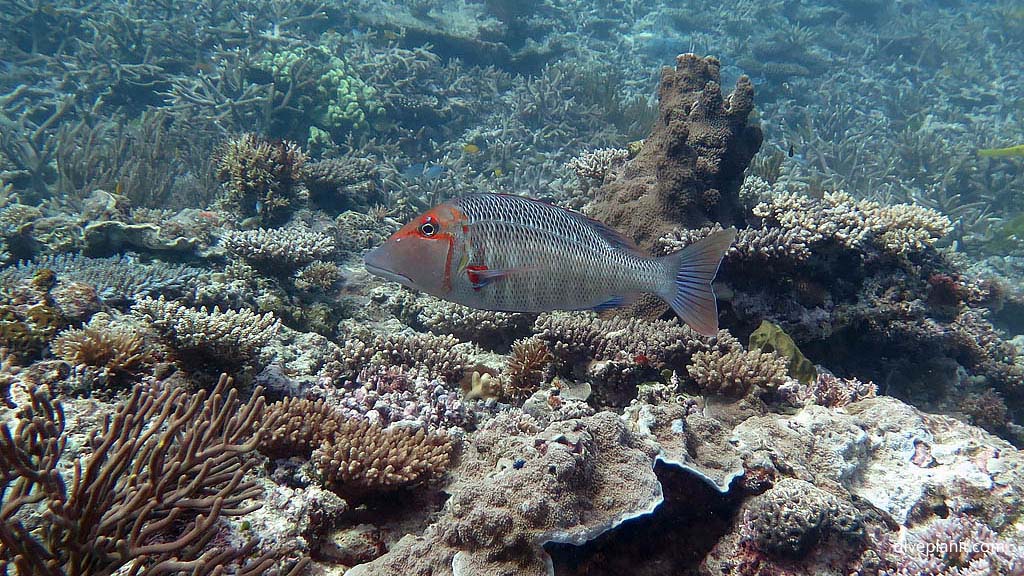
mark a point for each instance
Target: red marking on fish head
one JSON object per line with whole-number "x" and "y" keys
{"x": 419, "y": 255}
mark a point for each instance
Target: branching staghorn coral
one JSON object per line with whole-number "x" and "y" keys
{"x": 146, "y": 500}
{"x": 228, "y": 338}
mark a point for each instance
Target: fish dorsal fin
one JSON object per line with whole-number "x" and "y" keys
{"x": 614, "y": 237}
{"x": 607, "y": 233}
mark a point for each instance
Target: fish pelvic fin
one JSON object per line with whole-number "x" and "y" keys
{"x": 688, "y": 288}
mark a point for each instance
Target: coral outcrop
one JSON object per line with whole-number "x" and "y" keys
{"x": 690, "y": 168}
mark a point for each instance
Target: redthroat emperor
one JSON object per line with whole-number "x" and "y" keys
{"x": 514, "y": 254}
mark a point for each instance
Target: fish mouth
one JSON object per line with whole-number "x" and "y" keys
{"x": 373, "y": 266}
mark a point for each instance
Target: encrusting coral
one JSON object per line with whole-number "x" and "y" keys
{"x": 147, "y": 498}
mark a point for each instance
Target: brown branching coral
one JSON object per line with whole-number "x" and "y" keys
{"x": 354, "y": 457}
{"x": 529, "y": 360}
{"x": 118, "y": 351}
{"x": 660, "y": 343}
{"x": 261, "y": 178}
{"x": 162, "y": 471}
{"x": 430, "y": 354}
{"x": 365, "y": 458}
{"x": 296, "y": 426}
{"x": 738, "y": 371}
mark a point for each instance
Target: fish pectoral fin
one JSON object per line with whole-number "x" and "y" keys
{"x": 480, "y": 276}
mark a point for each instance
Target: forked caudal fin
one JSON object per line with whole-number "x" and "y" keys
{"x": 689, "y": 289}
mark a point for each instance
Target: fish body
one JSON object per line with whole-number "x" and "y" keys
{"x": 1017, "y": 150}
{"x": 514, "y": 254}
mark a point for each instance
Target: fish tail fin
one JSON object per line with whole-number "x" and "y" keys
{"x": 688, "y": 287}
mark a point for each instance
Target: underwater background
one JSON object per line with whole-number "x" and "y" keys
{"x": 198, "y": 375}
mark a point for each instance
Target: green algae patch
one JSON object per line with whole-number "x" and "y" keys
{"x": 771, "y": 338}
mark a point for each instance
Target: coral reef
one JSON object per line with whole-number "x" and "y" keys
{"x": 158, "y": 158}
{"x": 795, "y": 516}
{"x": 491, "y": 330}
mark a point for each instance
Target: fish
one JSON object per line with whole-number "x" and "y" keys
{"x": 1010, "y": 151}
{"x": 514, "y": 254}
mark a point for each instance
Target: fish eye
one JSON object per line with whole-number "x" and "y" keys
{"x": 428, "y": 227}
